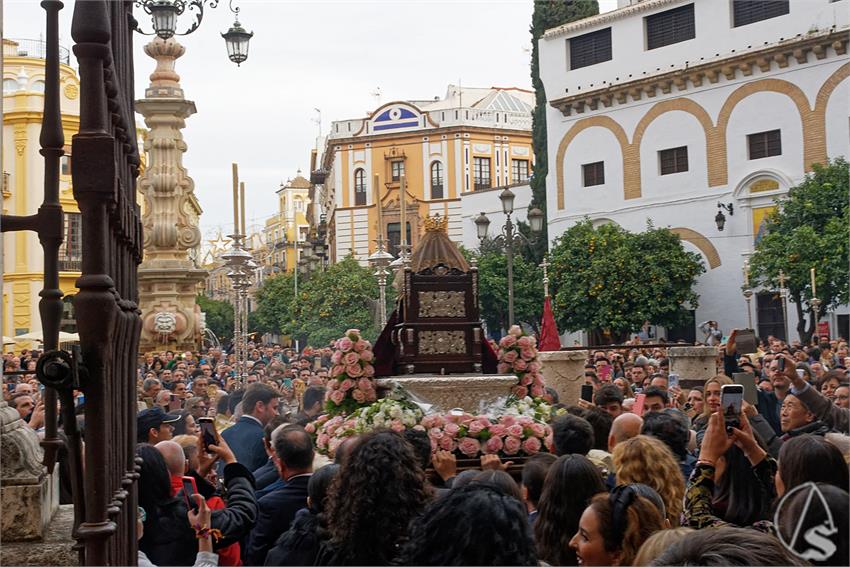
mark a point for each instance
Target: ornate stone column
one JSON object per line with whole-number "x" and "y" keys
{"x": 168, "y": 277}
{"x": 693, "y": 364}
{"x": 564, "y": 371}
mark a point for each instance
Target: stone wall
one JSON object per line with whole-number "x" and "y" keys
{"x": 564, "y": 371}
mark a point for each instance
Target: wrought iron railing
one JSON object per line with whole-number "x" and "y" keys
{"x": 35, "y": 48}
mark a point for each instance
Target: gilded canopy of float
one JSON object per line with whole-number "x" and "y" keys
{"x": 436, "y": 250}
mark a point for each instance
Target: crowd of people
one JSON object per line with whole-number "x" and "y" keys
{"x": 230, "y": 476}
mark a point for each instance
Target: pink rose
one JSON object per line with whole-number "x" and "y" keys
{"x": 514, "y": 430}
{"x": 512, "y": 445}
{"x": 469, "y": 446}
{"x": 452, "y": 429}
{"x": 510, "y": 356}
{"x": 333, "y": 444}
{"x": 507, "y": 341}
{"x": 520, "y": 391}
{"x": 507, "y": 420}
{"x": 358, "y": 396}
{"x": 368, "y": 370}
{"x": 498, "y": 429}
{"x": 364, "y": 384}
{"x": 337, "y": 369}
{"x": 520, "y": 365}
{"x": 523, "y": 342}
{"x": 371, "y": 396}
{"x": 336, "y": 357}
{"x": 367, "y": 356}
{"x": 550, "y": 443}
{"x": 435, "y": 433}
{"x": 534, "y": 366}
{"x": 525, "y": 380}
{"x": 346, "y": 385}
{"x": 322, "y": 440}
{"x": 538, "y": 429}
{"x": 360, "y": 345}
{"x": 537, "y": 391}
{"x": 515, "y": 330}
{"x": 345, "y": 344}
{"x": 531, "y": 445}
{"x": 354, "y": 370}
{"x": 524, "y": 421}
{"x": 350, "y": 358}
{"x": 475, "y": 427}
{"x": 447, "y": 444}
{"x": 493, "y": 445}
{"x": 528, "y": 354}
{"x": 397, "y": 426}
{"x": 337, "y": 396}
{"x": 503, "y": 368}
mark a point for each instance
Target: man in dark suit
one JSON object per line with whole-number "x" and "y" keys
{"x": 245, "y": 437}
{"x": 293, "y": 455}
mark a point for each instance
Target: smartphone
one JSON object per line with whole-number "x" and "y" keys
{"x": 208, "y": 432}
{"x": 801, "y": 373}
{"x": 605, "y": 373}
{"x": 189, "y": 489}
{"x": 640, "y": 400}
{"x": 672, "y": 380}
{"x": 587, "y": 392}
{"x": 745, "y": 341}
{"x": 11, "y": 386}
{"x": 780, "y": 363}
{"x": 731, "y": 403}
{"x": 748, "y": 381}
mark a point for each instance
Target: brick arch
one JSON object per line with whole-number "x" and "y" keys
{"x": 715, "y": 144}
{"x": 818, "y": 124}
{"x": 631, "y": 167}
{"x": 813, "y": 152}
{"x": 701, "y": 242}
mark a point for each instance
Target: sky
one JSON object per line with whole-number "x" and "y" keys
{"x": 330, "y": 55}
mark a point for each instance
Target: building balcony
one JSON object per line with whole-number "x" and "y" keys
{"x": 70, "y": 264}
{"x": 32, "y": 48}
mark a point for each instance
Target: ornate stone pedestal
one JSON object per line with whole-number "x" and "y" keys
{"x": 472, "y": 392}
{"x": 28, "y": 495}
{"x": 171, "y": 318}
{"x": 693, "y": 363}
{"x": 564, "y": 371}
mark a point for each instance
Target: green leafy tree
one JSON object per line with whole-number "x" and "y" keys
{"x": 332, "y": 301}
{"x": 547, "y": 14}
{"x": 612, "y": 281}
{"x": 493, "y": 289}
{"x": 219, "y": 315}
{"x": 274, "y": 304}
{"x": 810, "y": 228}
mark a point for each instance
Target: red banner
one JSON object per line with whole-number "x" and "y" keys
{"x": 823, "y": 329}
{"x": 549, "y": 339}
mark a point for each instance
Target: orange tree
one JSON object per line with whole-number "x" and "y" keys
{"x": 610, "y": 280}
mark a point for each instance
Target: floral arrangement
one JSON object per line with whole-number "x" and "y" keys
{"x": 470, "y": 436}
{"x": 329, "y": 431}
{"x": 538, "y": 409}
{"x": 351, "y": 384}
{"x": 518, "y": 355}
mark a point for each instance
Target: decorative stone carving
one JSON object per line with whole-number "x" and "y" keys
{"x": 472, "y": 392}
{"x": 442, "y": 342}
{"x": 564, "y": 371}
{"x": 19, "y": 449}
{"x": 442, "y": 304}
{"x": 168, "y": 277}
{"x": 693, "y": 363}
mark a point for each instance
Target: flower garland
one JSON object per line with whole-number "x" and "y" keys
{"x": 351, "y": 384}
{"x": 538, "y": 409}
{"x": 518, "y": 355}
{"x": 470, "y": 436}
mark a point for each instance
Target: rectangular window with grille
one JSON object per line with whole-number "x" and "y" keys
{"x": 481, "y": 173}
{"x": 593, "y": 173}
{"x": 669, "y": 27}
{"x": 71, "y": 251}
{"x": 751, "y": 11}
{"x": 590, "y": 48}
{"x": 519, "y": 170}
{"x": 765, "y": 144}
{"x": 674, "y": 160}
{"x": 397, "y": 169}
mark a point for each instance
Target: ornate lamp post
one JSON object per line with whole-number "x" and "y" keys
{"x": 165, "y": 13}
{"x": 815, "y": 302}
{"x": 748, "y": 293}
{"x": 509, "y": 238}
{"x": 783, "y": 294}
{"x": 380, "y": 260}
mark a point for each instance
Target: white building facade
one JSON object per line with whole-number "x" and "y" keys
{"x": 663, "y": 109}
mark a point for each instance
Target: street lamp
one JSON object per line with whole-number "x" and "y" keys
{"x": 380, "y": 260}
{"x": 720, "y": 218}
{"x": 509, "y": 238}
{"x": 164, "y": 15}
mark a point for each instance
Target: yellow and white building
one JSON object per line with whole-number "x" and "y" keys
{"x": 471, "y": 140}
{"x": 286, "y": 230}
{"x": 23, "y": 183}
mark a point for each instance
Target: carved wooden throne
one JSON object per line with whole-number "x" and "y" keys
{"x": 439, "y": 328}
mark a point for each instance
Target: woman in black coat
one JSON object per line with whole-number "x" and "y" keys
{"x": 168, "y": 538}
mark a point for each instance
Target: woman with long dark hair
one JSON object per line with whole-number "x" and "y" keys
{"x": 379, "y": 490}
{"x": 571, "y": 482}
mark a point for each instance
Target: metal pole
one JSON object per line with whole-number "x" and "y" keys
{"x": 748, "y": 295}
{"x": 509, "y": 248}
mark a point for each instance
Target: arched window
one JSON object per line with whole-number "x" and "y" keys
{"x": 359, "y": 187}
{"x": 436, "y": 180}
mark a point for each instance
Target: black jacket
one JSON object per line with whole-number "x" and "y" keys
{"x": 170, "y": 540}
{"x": 299, "y": 545}
{"x": 277, "y": 510}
